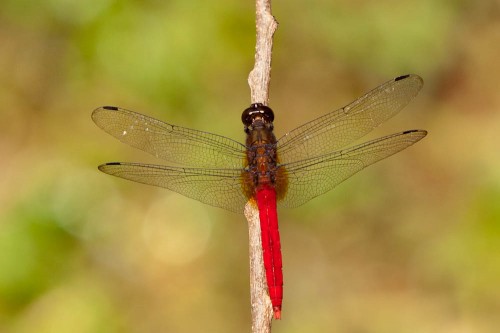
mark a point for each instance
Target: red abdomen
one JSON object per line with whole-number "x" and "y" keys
{"x": 271, "y": 246}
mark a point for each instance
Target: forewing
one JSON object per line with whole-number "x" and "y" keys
{"x": 341, "y": 127}
{"x": 172, "y": 143}
{"x": 309, "y": 178}
{"x": 215, "y": 187}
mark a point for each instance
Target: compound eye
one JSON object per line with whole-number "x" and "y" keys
{"x": 257, "y": 109}
{"x": 246, "y": 117}
{"x": 267, "y": 114}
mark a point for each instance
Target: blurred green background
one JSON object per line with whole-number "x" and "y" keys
{"x": 411, "y": 244}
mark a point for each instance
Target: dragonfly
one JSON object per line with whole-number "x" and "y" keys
{"x": 287, "y": 172}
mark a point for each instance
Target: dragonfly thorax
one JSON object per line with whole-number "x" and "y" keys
{"x": 260, "y": 144}
{"x": 262, "y": 163}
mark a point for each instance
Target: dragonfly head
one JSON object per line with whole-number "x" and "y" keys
{"x": 257, "y": 115}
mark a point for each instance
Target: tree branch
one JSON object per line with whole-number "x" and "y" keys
{"x": 258, "y": 80}
{"x": 260, "y": 76}
{"x": 262, "y": 309}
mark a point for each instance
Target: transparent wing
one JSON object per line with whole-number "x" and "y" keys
{"x": 216, "y": 187}
{"x": 172, "y": 143}
{"x": 309, "y": 178}
{"x": 341, "y": 127}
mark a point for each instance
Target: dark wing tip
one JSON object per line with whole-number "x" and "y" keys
{"x": 416, "y": 135}
{"x": 410, "y": 76}
{"x": 424, "y": 132}
{"x": 106, "y": 107}
{"x": 99, "y": 109}
{"x": 102, "y": 167}
{"x": 402, "y": 77}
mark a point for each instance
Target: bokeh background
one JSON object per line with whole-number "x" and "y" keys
{"x": 411, "y": 244}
